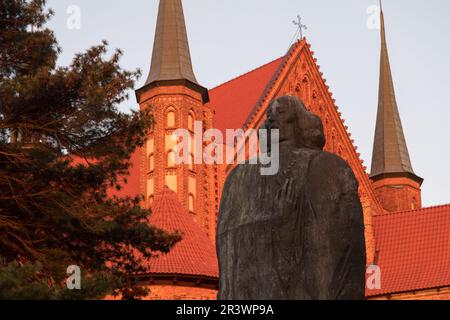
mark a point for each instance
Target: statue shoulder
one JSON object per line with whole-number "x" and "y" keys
{"x": 237, "y": 175}
{"x": 328, "y": 164}
{"x": 332, "y": 160}
{"x": 237, "y": 171}
{"x": 231, "y": 177}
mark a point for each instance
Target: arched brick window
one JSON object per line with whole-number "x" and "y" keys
{"x": 171, "y": 118}
{"x": 191, "y": 203}
{"x": 191, "y": 121}
{"x": 151, "y": 162}
{"x": 191, "y": 162}
{"x": 171, "y": 159}
{"x": 414, "y": 205}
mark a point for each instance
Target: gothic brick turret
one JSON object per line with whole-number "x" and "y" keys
{"x": 177, "y": 102}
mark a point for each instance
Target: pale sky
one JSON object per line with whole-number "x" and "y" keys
{"x": 231, "y": 37}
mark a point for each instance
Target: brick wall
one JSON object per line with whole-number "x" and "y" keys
{"x": 170, "y": 292}
{"x": 398, "y": 194}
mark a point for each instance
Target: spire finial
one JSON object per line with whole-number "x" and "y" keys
{"x": 300, "y": 26}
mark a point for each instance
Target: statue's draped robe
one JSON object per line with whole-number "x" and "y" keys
{"x": 315, "y": 251}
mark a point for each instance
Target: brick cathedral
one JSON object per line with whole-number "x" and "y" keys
{"x": 409, "y": 243}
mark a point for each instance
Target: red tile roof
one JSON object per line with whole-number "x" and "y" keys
{"x": 129, "y": 184}
{"x": 130, "y": 188}
{"x": 234, "y": 100}
{"x": 195, "y": 254}
{"x": 413, "y": 250}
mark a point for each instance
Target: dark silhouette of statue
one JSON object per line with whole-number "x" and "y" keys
{"x": 298, "y": 234}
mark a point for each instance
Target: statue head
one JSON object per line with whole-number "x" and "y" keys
{"x": 297, "y": 126}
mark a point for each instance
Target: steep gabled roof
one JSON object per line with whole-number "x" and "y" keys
{"x": 243, "y": 102}
{"x": 195, "y": 254}
{"x": 233, "y": 101}
{"x": 413, "y": 250}
{"x": 129, "y": 183}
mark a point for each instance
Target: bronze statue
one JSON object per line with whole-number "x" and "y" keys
{"x": 298, "y": 234}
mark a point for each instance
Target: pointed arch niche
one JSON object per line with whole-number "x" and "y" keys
{"x": 171, "y": 117}
{"x": 191, "y": 120}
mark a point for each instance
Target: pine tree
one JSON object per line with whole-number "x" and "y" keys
{"x": 63, "y": 144}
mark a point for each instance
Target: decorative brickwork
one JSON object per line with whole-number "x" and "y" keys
{"x": 398, "y": 194}
{"x": 171, "y": 292}
{"x": 175, "y": 107}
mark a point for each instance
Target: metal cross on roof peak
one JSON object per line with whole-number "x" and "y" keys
{"x": 300, "y": 26}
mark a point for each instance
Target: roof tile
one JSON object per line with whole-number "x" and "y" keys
{"x": 413, "y": 250}
{"x": 195, "y": 253}
{"x": 234, "y": 100}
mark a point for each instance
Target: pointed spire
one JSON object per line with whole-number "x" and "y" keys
{"x": 171, "y": 58}
{"x": 390, "y": 152}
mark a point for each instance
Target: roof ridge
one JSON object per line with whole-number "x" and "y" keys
{"x": 246, "y": 73}
{"x": 265, "y": 65}
{"x": 300, "y": 43}
{"x": 415, "y": 210}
